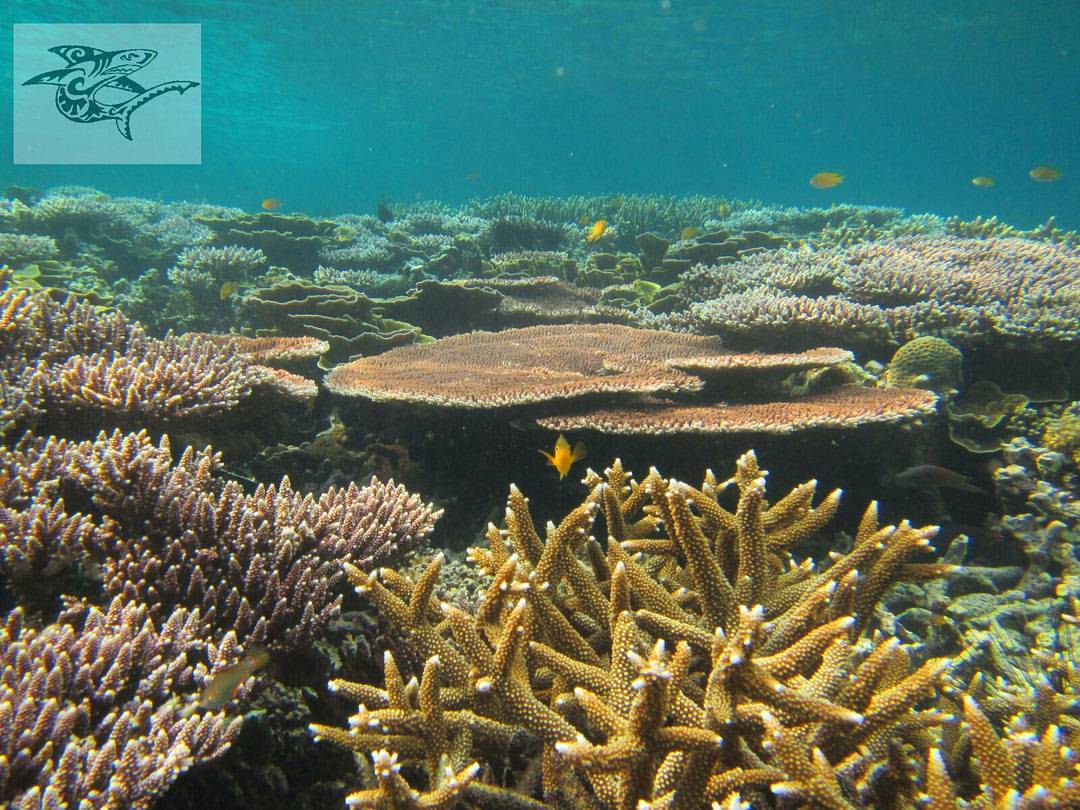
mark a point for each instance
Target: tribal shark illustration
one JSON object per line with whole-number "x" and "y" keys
{"x": 90, "y": 70}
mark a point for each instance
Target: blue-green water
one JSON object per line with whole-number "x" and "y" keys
{"x": 330, "y": 106}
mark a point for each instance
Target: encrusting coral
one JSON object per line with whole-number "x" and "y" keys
{"x": 691, "y": 659}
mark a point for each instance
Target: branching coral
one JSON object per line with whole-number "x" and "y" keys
{"x": 59, "y": 359}
{"x": 692, "y": 659}
{"x": 90, "y": 711}
{"x": 171, "y": 533}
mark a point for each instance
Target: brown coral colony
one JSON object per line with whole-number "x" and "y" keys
{"x": 552, "y": 367}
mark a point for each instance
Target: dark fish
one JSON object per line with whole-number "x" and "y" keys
{"x": 385, "y": 214}
{"x": 25, "y": 195}
{"x": 221, "y": 688}
{"x": 931, "y": 476}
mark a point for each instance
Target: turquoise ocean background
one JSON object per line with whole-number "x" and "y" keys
{"x": 331, "y": 106}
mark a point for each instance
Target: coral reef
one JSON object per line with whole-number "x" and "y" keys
{"x": 287, "y": 240}
{"x": 69, "y": 359}
{"x": 966, "y": 290}
{"x": 347, "y": 320}
{"x": 692, "y": 660}
{"x": 980, "y": 415}
{"x": 18, "y": 249}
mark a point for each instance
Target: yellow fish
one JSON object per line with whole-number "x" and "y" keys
{"x": 689, "y": 232}
{"x": 596, "y": 231}
{"x": 1045, "y": 174}
{"x": 221, "y": 688}
{"x": 826, "y": 180}
{"x": 227, "y": 289}
{"x": 982, "y": 181}
{"x": 271, "y": 204}
{"x": 563, "y": 457}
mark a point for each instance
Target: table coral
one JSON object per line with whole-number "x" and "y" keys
{"x": 555, "y": 368}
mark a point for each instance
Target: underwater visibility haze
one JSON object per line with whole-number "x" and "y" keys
{"x": 540, "y": 404}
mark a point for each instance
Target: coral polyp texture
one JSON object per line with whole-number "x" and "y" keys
{"x": 688, "y": 659}
{"x": 552, "y": 367}
{"x": 848, "y": 406}
{"x": 99, "y": 707}
{"x": 524, "y": 366}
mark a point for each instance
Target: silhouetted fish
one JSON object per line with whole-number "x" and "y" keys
{"x": 931, "y": 476}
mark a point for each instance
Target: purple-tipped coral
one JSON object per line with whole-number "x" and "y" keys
{"x": 266, "y": 564}
{"x": 69, "y": 358}
{"x": 89, "y": 708}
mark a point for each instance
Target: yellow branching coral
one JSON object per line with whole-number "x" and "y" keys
{"x": 689, "y": 659}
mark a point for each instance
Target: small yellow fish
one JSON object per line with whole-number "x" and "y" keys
{"x": 982, "y": 181}
{"x": 563, "y": 457}
{"x": 227, "y": 289}
{"x": 596, "y": 231}
{"x": 1045, "y": 174}
{"x": 826, "y": 180}
{"x": 221, "y": 688}
{"x": 472, "y": 176}
{"x": 271, "y": 204}
{"x": 689, "y": 232}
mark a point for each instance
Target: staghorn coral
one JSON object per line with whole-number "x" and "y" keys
{"x": 171, "y": 533}
{"x": 691, "y": 660}
{"x": 1022, "y": 768}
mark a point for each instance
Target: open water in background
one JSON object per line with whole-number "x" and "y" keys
{"x": 331, "y": 105}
